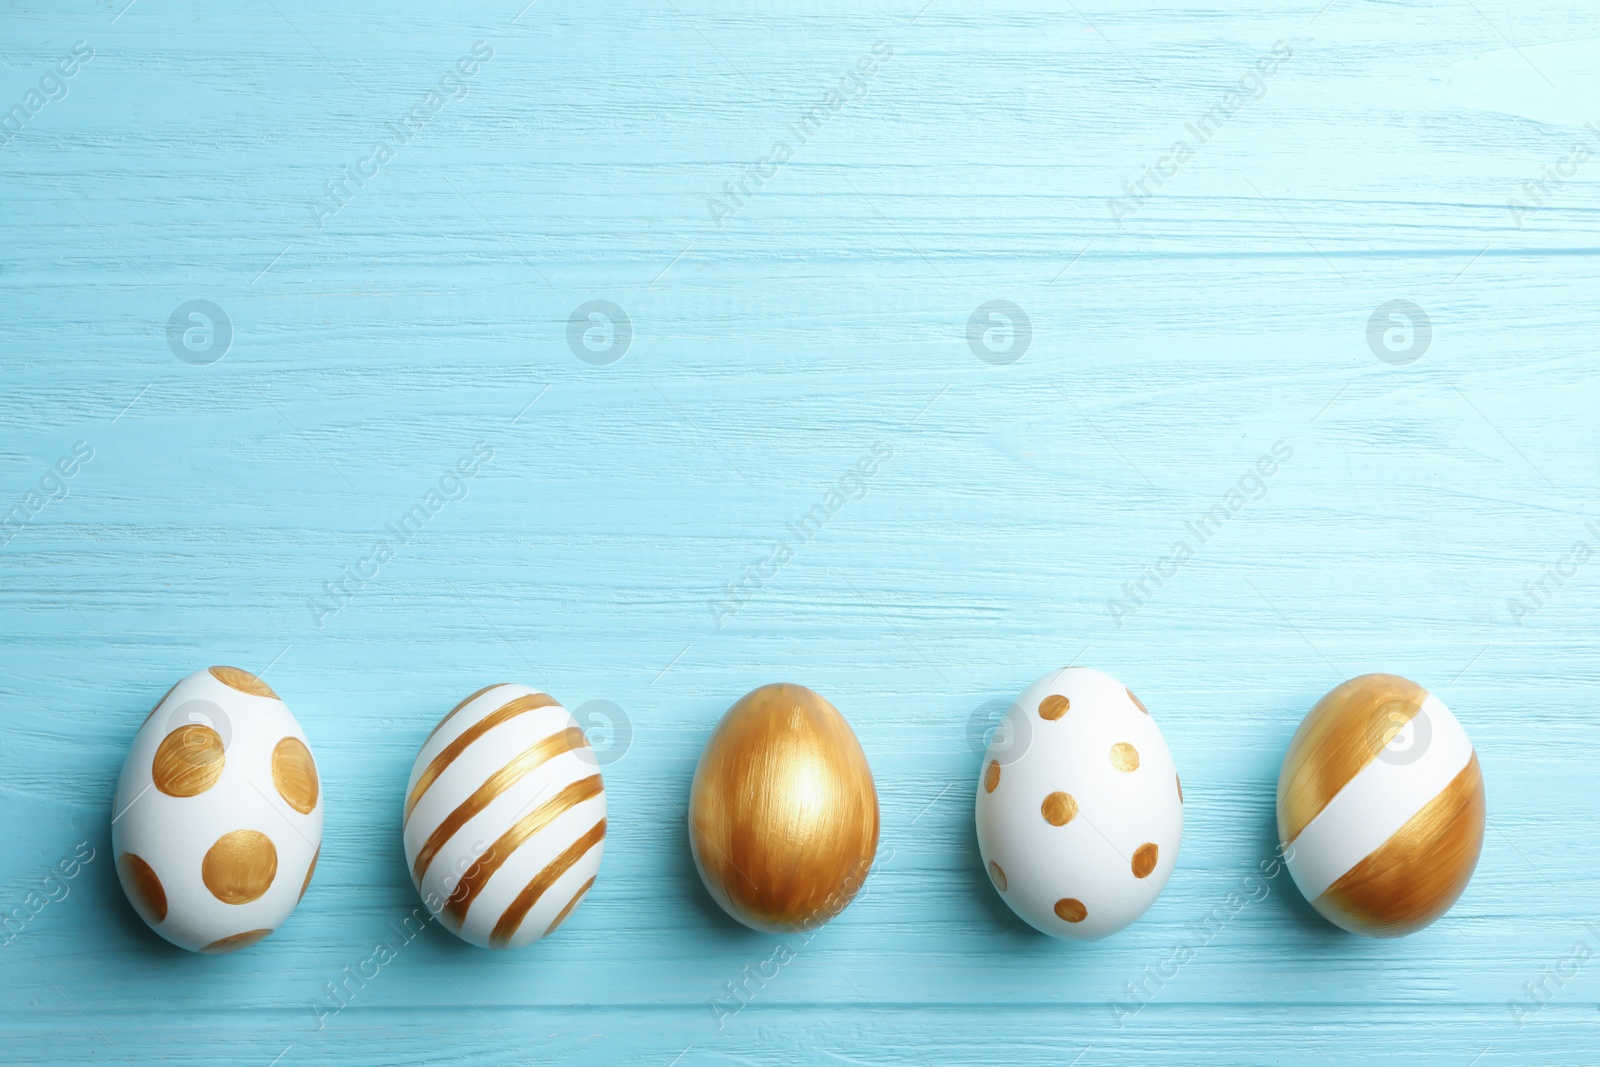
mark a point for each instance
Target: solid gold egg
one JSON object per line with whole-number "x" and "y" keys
{"x": 783, "y": 815}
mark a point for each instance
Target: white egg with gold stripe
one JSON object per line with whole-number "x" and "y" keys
{"x": 505, "y": 817}
{"x": 1381, "y": 806}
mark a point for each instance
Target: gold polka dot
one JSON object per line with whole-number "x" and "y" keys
{"x": 295, "y": 774}
{"x": 1071, "y": 909}
{"x": 1053, "y": 707}
{"x": 144, "y": 889}
{"x": 309, "y": 872}
{"x": 1059, "y": 809}
{"x": 240, "y": 867}
{"x": 1136, "y": 701}
{"x": 234, "y": 942}
{"x": 243, "y": 681}
{"x": 188, "y": 761}
{"x": 1175, "y": 778}
{"x": 997, "y": 875}
{"x": 1124, "y": 757}
{"x": 1144, "y": 860}
{"x": 991, "y": 776}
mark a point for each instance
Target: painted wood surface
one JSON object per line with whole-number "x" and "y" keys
{"x": 788, "y": 310}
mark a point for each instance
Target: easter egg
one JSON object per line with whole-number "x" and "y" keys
{"x": 505, "y": 817}
{"x": 783, "y": 814}
{"x": 217, "y": 822}
{"x": 1079, "y": 811}
{"x": 1381, "y": 806}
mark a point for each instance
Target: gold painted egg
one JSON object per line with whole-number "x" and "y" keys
{"x": 217, "y": 821}
{"x": 505, "y": 817}
{"x": 1381, "y": 806}
{"x": 783, "y": 814}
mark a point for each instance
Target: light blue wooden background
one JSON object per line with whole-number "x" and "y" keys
{"x": 1229, "y": 312}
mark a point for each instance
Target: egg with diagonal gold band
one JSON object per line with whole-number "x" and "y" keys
{"x": 783, "y": 813}
{"x": 1381, "y": 806}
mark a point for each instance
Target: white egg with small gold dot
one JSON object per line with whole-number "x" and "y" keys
{"x": 505, "y": 817}
{"x": 217, "y": 821}
{"x": 1079, "y": 810}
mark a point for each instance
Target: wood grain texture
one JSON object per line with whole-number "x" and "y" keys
{"x": 589, "y": 553}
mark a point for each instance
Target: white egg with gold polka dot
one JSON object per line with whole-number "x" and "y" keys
{"x": 1079, "y": 811}
{"x": 505, "y": 817}
{"x": 217, "y": 821}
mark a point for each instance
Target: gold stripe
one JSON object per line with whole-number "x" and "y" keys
{"x": 1342, "y": 734}
{"x": 561, "y": 916}
{"x": 497, "y": 783}
{"x": 447, "y": 756}
{"x": 479, "y": 873}
{"x": 458, "y": 707}
{"x": 506, "y": 928}
{"x": 1415, "y": 876}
